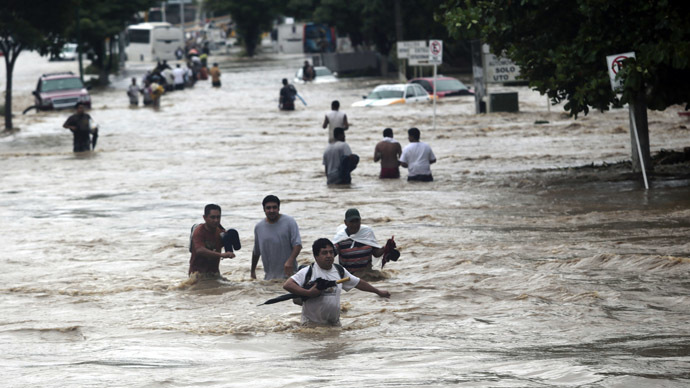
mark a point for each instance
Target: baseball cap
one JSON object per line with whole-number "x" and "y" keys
{"x": 352, "y": 214}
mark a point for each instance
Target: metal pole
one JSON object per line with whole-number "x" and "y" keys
{"x": 81, "y": 63}
{"x": 434, "y": 120}
{"x": 182, "y": 17}
{"x": 631, "y": 110}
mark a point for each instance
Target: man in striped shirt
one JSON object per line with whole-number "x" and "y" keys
{"x": 355, "y": 244}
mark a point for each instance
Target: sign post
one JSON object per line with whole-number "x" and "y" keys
{"x": 435, "y": 58}
{"x": 615, "y": 64}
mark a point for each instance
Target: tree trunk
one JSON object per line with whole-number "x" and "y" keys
{"x": 10, "y": 59}
{"x": 638, "y": 120}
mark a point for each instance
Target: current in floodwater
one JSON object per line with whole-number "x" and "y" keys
{"x": 516, "y": 270}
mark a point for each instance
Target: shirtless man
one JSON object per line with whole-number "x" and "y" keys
{"x": 388, "y": 151}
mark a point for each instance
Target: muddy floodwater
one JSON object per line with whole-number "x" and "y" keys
{"x": 517, "y": 269}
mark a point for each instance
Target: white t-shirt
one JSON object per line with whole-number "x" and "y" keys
{"x": 324, "y": 309}
{"x": 418, "y": 156}
{"x": 178, "y": 75}
{"x": 336, "y": 119}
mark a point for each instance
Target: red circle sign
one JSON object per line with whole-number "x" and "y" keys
{"x": 435, "y": 48}
{"x": 617, "y": 63}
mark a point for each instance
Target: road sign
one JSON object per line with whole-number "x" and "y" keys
{"x": 403, "y": 47}
{"x": 418, "y": 56}
{"x": 615, "y": 64}
{"x": 435, "y": 52}
{"x": 500, "y": 69}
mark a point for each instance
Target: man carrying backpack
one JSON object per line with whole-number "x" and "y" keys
{"x": 323, "y": 305}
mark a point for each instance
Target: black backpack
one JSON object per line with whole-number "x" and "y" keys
{"x": 307, "y": 278}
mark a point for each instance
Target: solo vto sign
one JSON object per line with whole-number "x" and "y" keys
{"x": 499, "y": 69}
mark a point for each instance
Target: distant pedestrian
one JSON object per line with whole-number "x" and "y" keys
{"x": 388, "y": 151}
{"x": 339, "y": 160}
{"x": 156, "y": 93}
{"x": 133, "y": 93}
{"x": 178, "y": 75}
{"x": 288, "y": 93}
{"x": 80, "y": 124}
{"x": 417, "y": 157}
{"x": 308, "y": 72}
{"x": 147, "y": 93}
{"x": 215, "y": 76}
{"x": 335, "y": 119}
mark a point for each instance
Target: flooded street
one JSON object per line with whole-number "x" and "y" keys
{"x": 517, "y": 269}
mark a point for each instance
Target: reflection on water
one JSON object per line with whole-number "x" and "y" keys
{"x": 517, "y": 270}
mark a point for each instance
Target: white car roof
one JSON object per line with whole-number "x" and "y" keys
{"x": 391, "y": 87}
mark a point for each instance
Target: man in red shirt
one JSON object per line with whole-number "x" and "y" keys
{"x": 206, "y": 244}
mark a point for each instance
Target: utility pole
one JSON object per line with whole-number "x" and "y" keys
{"x": 399, "y": 37}
{"x": 81, "y": 64}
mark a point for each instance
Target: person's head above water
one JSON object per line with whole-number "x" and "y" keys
{"x": 335, "y": 105}
{"x": 388, "y": 132}
{"x": 285, "y": 81}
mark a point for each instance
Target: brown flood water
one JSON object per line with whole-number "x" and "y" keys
{"x": 516, "y": 269}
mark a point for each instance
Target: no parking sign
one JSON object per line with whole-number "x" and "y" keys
{"x": 615, "y": 64}
{"x": 436, "y": 52}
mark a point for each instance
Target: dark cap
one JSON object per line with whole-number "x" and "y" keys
{"x": 352, "y": 214}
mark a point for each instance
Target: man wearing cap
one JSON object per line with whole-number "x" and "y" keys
{"x": 355, "y": 244}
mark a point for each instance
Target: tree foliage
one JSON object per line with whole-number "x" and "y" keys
{"x": 100, "y": 21}
{"x": 561, "y": 46}
{"x": 29, "y": 25}
{"x": 251, "y": 18}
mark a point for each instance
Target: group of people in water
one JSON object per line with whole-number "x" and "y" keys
{"x": 339, "y": 161}
{"x": 277, "y": 242}
{"x": 164, "y": 78}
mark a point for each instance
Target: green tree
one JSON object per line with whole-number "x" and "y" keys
{"x": 251, "y": 18}
{"x": 29, "y": 25}
{"x": 100, "y": 21}
{"x": 561, "y": 48}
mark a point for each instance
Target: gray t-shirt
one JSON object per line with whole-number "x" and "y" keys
{"x": 331, "y": 159}
{"x": 274, "y": 242}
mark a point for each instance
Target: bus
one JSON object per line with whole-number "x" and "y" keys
{"x": 153, "y": 41}
{"x": 319, "y": 38}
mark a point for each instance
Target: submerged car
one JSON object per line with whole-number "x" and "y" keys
{"x": 445, "y": 86}
{"x": 394, "y": 94}
{"x": 68, "y": 52}
{"x": 60, "y": 91}
{"x": 323, "y": 75}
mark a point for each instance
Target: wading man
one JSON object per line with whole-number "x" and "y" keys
{"x": 388, "y": 151}
{"x": 80, "y": 125}
{"x": 277, "y": 241}
{"x": 417, "y": 157}
{"x": 206, "y": 244}
{"x": 323, "y": 305}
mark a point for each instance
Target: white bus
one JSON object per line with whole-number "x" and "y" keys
{"x": 153, "y": 41}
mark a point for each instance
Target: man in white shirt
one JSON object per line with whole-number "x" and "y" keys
{"x": 417, "y": 157}
{"x": 335, "y": 119}
{"x": 178, "y": 77}
{"x": 323, "y": 305}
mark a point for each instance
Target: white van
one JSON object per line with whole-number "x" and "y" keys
{"x": 148, "y": 42}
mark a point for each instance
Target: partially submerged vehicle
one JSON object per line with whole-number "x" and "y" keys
{"x": 323, "y": 75}
{"x": 60, "y": 91}
{"x": 394, "y": 94}
{"x": 445, "y": 86}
